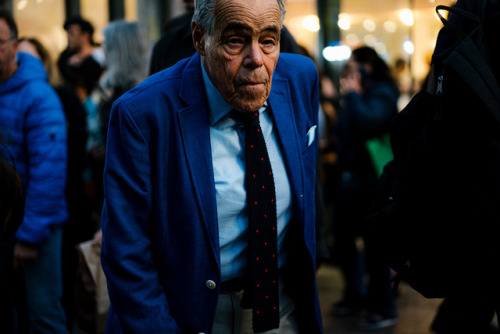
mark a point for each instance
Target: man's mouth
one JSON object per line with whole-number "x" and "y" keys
{"x": 252, "y": 84}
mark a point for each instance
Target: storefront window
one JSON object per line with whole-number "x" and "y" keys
{"x": 32, "y": 19}
{"x": 131, "y": 10}
{"x": 302, "y": 21}
{"x": 97, "y": 13}
{"x": 404, "y": 30}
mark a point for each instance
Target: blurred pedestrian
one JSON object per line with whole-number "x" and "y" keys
{"x": 32, "y": 125}
{"x": 80, "y": 70}
{"x": 77, "y": 64}
{"x": 78, "y": 228}
{"x": 126, "y": 54}
{"x": 127, "y": 57}
{"x": 34, "y": 47}
{"x": 404, "y": 81}
{"x": 176, "y": 41}
{"x": 369, "y": 102}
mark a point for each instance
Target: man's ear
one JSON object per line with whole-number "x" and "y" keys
{"x": 16, "y": 45}
{"x": 198, "y": 38}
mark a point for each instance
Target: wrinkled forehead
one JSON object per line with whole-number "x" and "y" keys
{"x": 254, "y": 14}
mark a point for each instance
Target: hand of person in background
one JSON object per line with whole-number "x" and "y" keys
{"x": 24, "y": 255}
{"x": 98, "y": 236}
{"x": 77, "y": 59}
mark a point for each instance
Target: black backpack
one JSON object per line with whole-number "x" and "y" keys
{"x": 438, "y": 206}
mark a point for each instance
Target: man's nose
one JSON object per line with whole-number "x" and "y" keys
{"x": 253, "y": 57}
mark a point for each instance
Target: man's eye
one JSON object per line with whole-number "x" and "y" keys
{"x": 235, "y": 41}
{"x": 269, "y": 44}
{"x": 234, "y": 45}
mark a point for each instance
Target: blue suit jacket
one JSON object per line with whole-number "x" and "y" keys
{"x": 161, "y": 242}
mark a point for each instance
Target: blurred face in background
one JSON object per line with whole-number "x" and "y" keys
{"x": 76, "y": 37}
{"x": 36, "y": 49}
{"x": 8, "y": 51}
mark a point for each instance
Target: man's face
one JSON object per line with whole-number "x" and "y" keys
{"x": 242, "y": 53}
{"x": 8, "y": 51}
{"x": 76, "y": 37}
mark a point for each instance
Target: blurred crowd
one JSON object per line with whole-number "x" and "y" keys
{"x": 56, "y": 141}
{"x": 86, "y": 79}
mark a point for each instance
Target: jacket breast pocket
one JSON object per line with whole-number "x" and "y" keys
{"x": 309, "y": 155}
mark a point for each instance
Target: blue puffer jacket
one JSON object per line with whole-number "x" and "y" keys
{"x": 33, "y": 125}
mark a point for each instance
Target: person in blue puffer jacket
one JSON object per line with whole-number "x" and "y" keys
{"x": 33, "y": 127}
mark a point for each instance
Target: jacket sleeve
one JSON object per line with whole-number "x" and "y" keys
{"x": 138, "y": 300}
{"x": 45, "y": 185}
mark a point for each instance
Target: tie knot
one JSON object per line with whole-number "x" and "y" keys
{"x": 246, "y": 118}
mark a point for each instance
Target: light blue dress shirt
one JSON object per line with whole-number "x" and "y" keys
{"x": 228, "y": 157}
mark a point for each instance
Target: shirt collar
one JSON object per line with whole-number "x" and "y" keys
{"x": 217, "y": 106}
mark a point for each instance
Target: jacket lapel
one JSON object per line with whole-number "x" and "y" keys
{"x": 195, "y": 133}
{"x": 290, "y": 145}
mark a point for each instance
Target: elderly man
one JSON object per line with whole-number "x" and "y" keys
{"x": 208, "y": 220}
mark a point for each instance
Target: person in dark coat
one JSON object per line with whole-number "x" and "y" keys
{"x": 76, "y": 63}
{"x": 369, "y": 102}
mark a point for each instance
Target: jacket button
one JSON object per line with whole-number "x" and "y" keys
{"x": 210, "y": 284}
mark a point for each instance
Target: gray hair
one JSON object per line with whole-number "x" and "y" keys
{"x": 127, "y": 54}
{"x": 204, "y": 14}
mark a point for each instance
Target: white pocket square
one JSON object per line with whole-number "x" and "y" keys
{"x": 311, "y": 135}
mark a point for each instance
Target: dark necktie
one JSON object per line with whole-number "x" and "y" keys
{"x": 261, "y": 292}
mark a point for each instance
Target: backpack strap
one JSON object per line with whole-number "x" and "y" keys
{"x": 458, "y": 11}
{"x": 469, "y": 64}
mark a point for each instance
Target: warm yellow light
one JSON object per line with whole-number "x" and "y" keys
{"x": 381, "y": 48}
{"x": 369, "y": 25}
{"x": 22, "y": 4}
{"x": 311, "y": 23}
{"x": 370, "y": 40}
{"x": 443, "y": 13}
{"x": 344, "y": 22}
{"x": 409, "y": 47}
{"x": 352, "y": 39}
{"x": 390, "y": 26}
{"x": 406, "y": 16}
{"x": 337, "y": 53}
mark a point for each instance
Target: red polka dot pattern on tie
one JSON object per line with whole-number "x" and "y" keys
{"x": 262, "y": 294}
